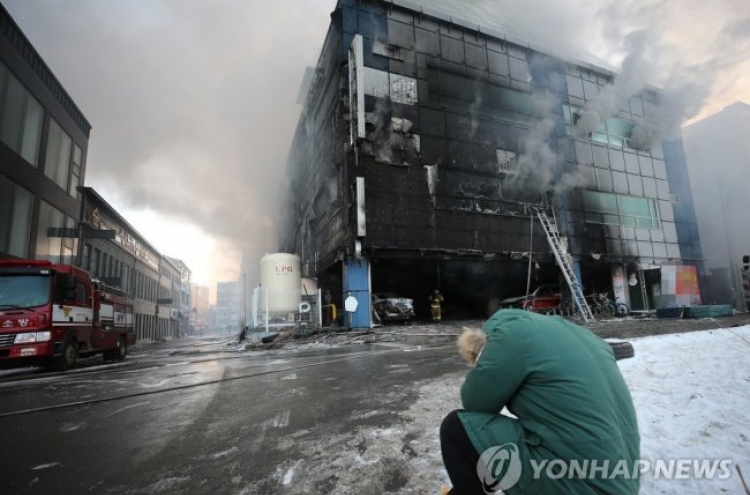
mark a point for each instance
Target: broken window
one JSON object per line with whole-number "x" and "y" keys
{"x": 612, "y": 131}
{"x": 376, "y": 82}
{"x": 385, "y": 50}
{"x": 403, "y": 89}
{"x": 507, "y": 162}
{"x": 381, "y": 84}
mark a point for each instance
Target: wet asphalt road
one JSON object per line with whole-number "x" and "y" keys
{"x": 193, "y": 417}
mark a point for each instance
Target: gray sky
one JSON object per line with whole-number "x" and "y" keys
{"x": 193, "y": 102}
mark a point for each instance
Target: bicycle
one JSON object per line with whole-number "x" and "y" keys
{"x": 602, "y": 305}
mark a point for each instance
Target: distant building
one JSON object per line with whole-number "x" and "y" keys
{"x": 181, "y": 296}
{"x": 229, "y": 309}
{"x": 718, "y": 153}
{"x": 43, "y": 146}
{"x": 199, "y": 311}
{"x": 249, "y": 279}
{"x": 113, "y": 251}
{"x": 431, "y": 131}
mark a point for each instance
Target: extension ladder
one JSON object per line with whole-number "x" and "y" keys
{"x": 561, "y": 255}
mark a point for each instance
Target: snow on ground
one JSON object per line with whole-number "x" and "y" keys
{"x": 691, "y": 395}
{"x": 690, "y": 391}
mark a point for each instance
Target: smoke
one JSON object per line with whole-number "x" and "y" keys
{"x": 192, "y": 103}
{"x": 687, "y": 51}
{"x": 693, "y": 52}
{"x": 537, "y": 162}
{"x": 539, "y": 166}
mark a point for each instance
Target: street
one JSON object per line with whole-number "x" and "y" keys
{"x": 202, "y": 417}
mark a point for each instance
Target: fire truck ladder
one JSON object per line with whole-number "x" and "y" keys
{"x": 563, "y": 261}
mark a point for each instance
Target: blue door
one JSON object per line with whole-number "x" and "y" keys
{"x": 357, "y": 285}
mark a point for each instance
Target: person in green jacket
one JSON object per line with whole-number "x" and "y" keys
{"x": 572, "y": 427}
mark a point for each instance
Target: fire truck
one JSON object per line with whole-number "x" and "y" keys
{"x": 50, "y": 314}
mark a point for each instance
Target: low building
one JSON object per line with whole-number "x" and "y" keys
{"x": 113, "y": 251}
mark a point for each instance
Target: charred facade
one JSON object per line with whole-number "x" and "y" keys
{"x": 426, "y": 144}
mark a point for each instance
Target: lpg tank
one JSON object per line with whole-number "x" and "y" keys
{"x": 281, "y": 277}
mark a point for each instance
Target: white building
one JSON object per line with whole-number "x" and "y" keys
{"x": 718, "y": 155}
{"x": 229, "y": 308}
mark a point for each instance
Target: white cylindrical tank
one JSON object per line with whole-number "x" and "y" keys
{"x": 281, "y": 277}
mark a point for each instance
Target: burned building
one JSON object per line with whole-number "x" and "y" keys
{"x": 430, "y": 136}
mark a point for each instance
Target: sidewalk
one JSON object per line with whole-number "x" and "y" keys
{"x": 447, "y": 331}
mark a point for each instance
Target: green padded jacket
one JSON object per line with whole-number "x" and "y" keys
{"x": 576, "y": 430}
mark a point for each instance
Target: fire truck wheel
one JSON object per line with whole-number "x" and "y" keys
{"x": 121, "y": 352}
{"x": 69, "y": 355}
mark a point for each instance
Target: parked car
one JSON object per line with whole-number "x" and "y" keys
{"x": 391, "y": 308}
{"x": 542, "y": 299}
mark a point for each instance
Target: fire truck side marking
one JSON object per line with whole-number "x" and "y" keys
{"x": 67, "y": 315}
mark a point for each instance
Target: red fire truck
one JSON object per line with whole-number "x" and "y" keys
{"x": 50, "y": 314}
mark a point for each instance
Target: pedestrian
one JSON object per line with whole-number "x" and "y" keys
{"x": 243, "y": 335}
{"x": 436, "y": 299}
{"x": 572, "y": 412}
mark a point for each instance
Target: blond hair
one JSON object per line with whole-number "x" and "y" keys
{"x": 470, "y": 344}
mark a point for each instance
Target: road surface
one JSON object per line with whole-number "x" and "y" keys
{"x": 201, "y": 417}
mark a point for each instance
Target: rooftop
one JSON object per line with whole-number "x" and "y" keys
{"x": 486, "y": 16}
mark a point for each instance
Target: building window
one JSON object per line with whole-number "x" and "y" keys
{"x": 22, "y": 117}
{"x": 57, "y": 161}
{"x": 94, "y": 267}
{"x": 69, "y": 243}
{"x": 75, "y": 172}
{"x": 611, "y": 131}
{"x": 620, "y": 209}
{"x": 86, "y": 257}
{"x": 49, "y": 248}
{"x": 16, "y": 208}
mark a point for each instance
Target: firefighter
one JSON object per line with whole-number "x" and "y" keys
{"x": 436, "y": 299}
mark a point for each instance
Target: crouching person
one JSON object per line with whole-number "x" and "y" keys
{"x": 574, "y": 429}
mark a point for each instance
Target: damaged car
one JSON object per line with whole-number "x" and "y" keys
{"x": 545, "y": 298}
{"x": 388, "y": 307}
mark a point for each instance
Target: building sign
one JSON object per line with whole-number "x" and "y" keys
{"x": 679, "y": 286}
{"x": 618, "y": 285}
{"x": 356, "y": 90}
{"x": 120, "y": 235}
